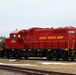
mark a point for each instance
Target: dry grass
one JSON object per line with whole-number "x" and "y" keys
{"x": 4, "y": 72}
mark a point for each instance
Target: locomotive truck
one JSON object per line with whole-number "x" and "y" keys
{"x": 52, "y": 43}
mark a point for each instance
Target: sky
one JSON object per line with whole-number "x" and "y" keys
{"x": 24, "y": 14}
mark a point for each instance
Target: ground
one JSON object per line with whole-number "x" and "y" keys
{"x": 59, "y": 66}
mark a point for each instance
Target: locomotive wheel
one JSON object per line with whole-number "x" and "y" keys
{"x": 7, "y": 56}
{"x": 17, "y": 56}
{"x": 65, "y": 56}
{"x": 1, "y": 54}
{"x": 72, "y": 59}
{"x": 65, "y": 59}
{"x": 49, "y": 56}
{"x": 57, "y": 58}
{"x": 26, "y": 57}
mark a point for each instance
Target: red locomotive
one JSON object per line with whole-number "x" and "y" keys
{"x": 52, "y": 43}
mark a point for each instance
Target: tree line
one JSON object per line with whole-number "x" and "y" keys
{"x": 2, "y": 38}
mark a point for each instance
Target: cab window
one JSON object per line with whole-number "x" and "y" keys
{"x": 13, "y": 36}
{"x": 19, "y": 35}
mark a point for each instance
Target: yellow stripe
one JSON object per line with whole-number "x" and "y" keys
{"x": 45, "y": 41}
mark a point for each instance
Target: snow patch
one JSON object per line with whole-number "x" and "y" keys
{"x": 18, "y": 64}
{"x": 1, "y": 63}
{"x": 12, "y": 60}
{"x": 21, "y": 64}
{"x": 57, "y": 63}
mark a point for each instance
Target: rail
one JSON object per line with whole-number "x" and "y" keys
{"x": 31, "y": 71}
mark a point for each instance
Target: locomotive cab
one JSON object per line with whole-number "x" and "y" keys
{"x": 14, "y": 41}
{"x": 17, "y": 39}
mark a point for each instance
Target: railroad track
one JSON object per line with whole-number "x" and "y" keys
{"x": 31, "y": 71}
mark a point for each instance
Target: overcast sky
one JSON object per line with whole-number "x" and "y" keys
{"x": 23, "y": 14}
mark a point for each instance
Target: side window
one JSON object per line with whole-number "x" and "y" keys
{"x": 19, "y": 35}
{"x": 71, "y": 32}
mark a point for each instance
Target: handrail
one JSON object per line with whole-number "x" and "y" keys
{"x": 73, "y": 44}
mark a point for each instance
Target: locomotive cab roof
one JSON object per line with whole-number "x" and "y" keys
{"x": 18, "y": 31}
